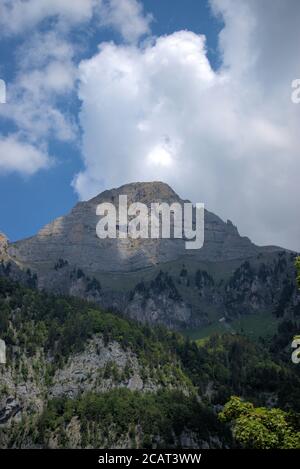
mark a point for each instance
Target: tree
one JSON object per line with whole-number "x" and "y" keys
{"x": 259, "y": 427}
{"x": 298, "y": 270}
{"x": 297, "y": 263}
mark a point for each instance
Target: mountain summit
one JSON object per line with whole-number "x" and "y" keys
{"x": 152, "y": 280}
{"x": 73, "y": 238}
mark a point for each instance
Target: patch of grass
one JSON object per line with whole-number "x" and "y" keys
{"x": 256, "y": 325}
{"x": 252, "y": 325}
{"x": 205, "y": 332}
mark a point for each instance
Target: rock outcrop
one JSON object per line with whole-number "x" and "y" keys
{"x": 3, "y": 246}
{"x": 101, "y": 367}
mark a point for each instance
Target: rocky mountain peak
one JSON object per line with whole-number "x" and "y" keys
{"x": 144, "y": 192}
{"x": 147, "y": 279}
{"x": 73, "y": 239}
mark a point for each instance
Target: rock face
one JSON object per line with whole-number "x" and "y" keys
{"x": 98, "y": 368}
{"x": 9, "y": 411}
{"x": 160, "y": 302}
{"x": 3, "y": 245}
{"x": 73, "y": 238}
{"x": 67, "y": 257}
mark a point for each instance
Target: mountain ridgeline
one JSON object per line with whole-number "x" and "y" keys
{"x": 156, "y": 281}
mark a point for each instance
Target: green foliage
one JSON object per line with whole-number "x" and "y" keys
{"x": 162, "y": 283}
{"x": 285, "y": 297}
{"x": 61, "y": 263}
{"x": 260, "y": 428}
{"x": 203, "y": 279}
{"x": 93, "y": 285}
{"x": 227, "y": 364}
{"x": 236, "y": 365}
{"x": 160, "y": 417}
{"x": 297, "y": 263}
{"x": 298, "y": 270}
{"x": 63, "y": 325}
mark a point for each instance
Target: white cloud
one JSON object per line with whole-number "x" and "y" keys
{"x": 47, "y": 73}
{"x": 228, "y": 138}
{"x": 47, "y": 67}
{"x": 17, "y": 16}
{"x": 19, "y": 156}
{"x": 131, "y": 94}
{"x": 125, "y": 16}
{"x": 44, "y": 47}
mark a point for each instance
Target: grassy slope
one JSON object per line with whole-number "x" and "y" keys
{"x": 253, "y": 326}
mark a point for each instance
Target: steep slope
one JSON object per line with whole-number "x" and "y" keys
{"x": 64, "y": 352}
{"x": 68, "y": 258}
{"x": 73, "y": 238}
{"x": 79, "y": 377}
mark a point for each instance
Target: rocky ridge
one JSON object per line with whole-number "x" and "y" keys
{"x": 67, "y": 257}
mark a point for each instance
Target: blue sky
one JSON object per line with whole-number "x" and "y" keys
{"x": 29, "y": 202}
{"x": 195, "y": 93}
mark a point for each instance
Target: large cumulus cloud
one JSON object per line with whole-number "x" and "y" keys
{"x": 229, "y": 138}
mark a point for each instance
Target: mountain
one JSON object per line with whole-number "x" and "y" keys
{"x": 155, "y": 280}
{"x": 73, "y": 238}
{"x": 89, "y": 361}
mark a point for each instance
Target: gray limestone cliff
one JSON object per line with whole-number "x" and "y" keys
{"x": 73, "y": 238}
{"x": 67, "y": 257}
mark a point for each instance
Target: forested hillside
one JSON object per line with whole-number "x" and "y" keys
{"x": 83, "y": 377}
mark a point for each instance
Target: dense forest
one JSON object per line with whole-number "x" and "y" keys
{"x": 193, "y": 381}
